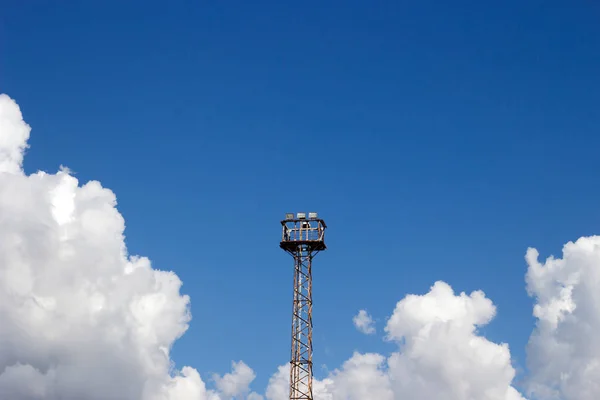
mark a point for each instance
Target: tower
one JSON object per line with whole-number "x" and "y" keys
{"x": 302, "y": 238}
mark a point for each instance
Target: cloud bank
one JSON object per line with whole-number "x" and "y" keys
{"x": 440, "y": 355}
{"x": 564, "y": 349}
{"x": 81, "y": 319}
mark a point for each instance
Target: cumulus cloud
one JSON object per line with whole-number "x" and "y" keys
{"x": 236, "y": 383}
{"x": 16, "y": 133}
{"x": 279, "y": 389}
{"x": 564, "y": 350}
{"x": 79, "y": 317}
{"x": 440, "y": 355}
{"x": 364, "y": 322}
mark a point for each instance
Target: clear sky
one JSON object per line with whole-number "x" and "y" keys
{"x": 439, "y": 140}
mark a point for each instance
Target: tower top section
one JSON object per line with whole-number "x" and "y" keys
{"x": 303, "y": 231}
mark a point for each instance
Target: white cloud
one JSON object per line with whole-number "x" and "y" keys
{"x": 79, "y": 317}
{"x": 564, "y": 349}
{"x": 278, "y": 387}
{"x": 236, "y": 383}
{"x": 364, "y": 323}
{"x": 363, "y": 376}
{"x": 440, "y": 356}
{"x": 16, "y": 133}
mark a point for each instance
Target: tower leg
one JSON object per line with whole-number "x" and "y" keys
{"x": 301, "y": 368}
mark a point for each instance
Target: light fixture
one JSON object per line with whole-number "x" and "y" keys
{"x": 301, "y": 215}
{"x": 312, "y": 215}
{"x": 289, "y": 216}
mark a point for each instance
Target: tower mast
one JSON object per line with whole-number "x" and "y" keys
{"x": 303, "y": 238}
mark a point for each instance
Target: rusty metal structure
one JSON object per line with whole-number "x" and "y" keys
{"x": 302, "y": 237}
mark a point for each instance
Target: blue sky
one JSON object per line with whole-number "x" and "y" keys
{"x": 437, "y": 140}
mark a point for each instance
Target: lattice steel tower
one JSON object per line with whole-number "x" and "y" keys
{"x": 302, "y": 238}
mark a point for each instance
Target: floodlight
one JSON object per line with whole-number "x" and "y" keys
{"x": 301, "y": 215}
{"x": 289, "y": 216}
{"x": 312, "y": 215}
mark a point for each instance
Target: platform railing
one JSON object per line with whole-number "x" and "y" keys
{"x": 303, "y": 234}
